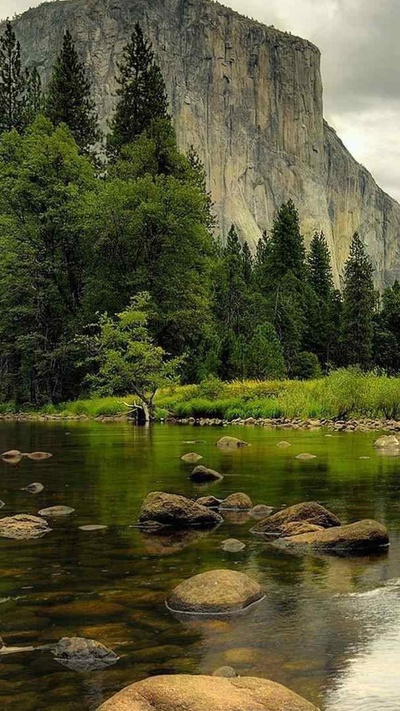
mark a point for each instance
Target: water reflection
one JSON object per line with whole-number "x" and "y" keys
{"x": 316, "y": 631}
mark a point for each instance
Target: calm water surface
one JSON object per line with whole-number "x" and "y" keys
{"x": 329, "y": 628}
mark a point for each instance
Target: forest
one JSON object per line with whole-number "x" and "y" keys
{"x": 114, "y": 277}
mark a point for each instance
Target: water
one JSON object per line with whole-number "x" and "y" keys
{"x": 328, "y": 627}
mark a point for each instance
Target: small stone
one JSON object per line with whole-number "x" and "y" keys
{"x": 226, "y": 672}
{"x": 210, "y": 501}
{"x": 92, "y": 527}
{"x": 35, "y": 488}
{"x": 23, "y": 526}
{"x": 215, "y": 592}
{"x": 283, "y": 444}
{"x": 261, "y": 511}
{"x": 191, "y": 457}
{"x": 231, "y": 443}
{"x": 237, "y": 502}
{"x": 1, "y": 504}
{"x": 11, "y": 454}
{"x": 202, "y": 474}
{"x": 39, "y": 455}
{"x": 82, "y": 655}
{"x": 56, "y": 511}
{"x": 232, "y": 545}
{"x": 305, "y": 456}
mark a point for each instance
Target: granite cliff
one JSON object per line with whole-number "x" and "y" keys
{"x": 249, "y": 98}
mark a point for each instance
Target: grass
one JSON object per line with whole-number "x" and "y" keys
{"x": 344, "y": 394}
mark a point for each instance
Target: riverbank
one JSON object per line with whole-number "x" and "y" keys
{"x": 346, "y": 400}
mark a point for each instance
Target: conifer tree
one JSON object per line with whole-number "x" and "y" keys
{"x": 68, "y": 97}
{"x": 358, "y": 307}
{"x": 319, "y": 265}
{"x": 33, "y": 104}
{"x": 11, "y": 82}
{"x": 287, "y": 251}
{"x": 142, "y": 96}
{"x": 321, "y": 323}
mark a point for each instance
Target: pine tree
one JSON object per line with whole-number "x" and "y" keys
{"x": 319, "y": 265}
{"x": 33, "y": 95}
{"x": 358, "y": 307}
{"x": 287, "y": 251}
{"x": 199, "y": 179}
{"x": 321, "y": 332}
{"x": 142, "y": 96}
{"x": 12, "y": 83}
{"x": 68, "y": 97}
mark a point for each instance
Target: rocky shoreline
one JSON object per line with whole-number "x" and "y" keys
{"x": 283, "y": 423}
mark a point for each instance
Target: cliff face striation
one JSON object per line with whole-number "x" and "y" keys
{"x": 249, "y": 98}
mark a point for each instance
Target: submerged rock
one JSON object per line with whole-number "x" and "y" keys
{"x": 283, "y": 445}
{"x": 210, "y": 501}
{"x": 296, "y": 528}
{"x": 226, "y": 672}
{"x": 39, "y": 455}
{"x": 56, "y": 511}
{"x": 215, "y": 592}
{"x": 2, "y": 503}
{"x": 92, "y": 527}
{"x": 261, "y": 511}
{"x": 35, "y": 488}
{"x": 206, "y": 693}
{"x": 231, "y": 443}
{"x": 202, "y": 474}
{"x": 305, "y": 457}
{"x": 80, "y": 654}
{"x": 387, "y": 442}
{"x": 232, "y": 545}
{"x": 23, "y": 526}
{"x": 353, "y": 538}
{"x": 309, "y": 511}
{"x": 169, "y": 541}
{"x": 237, "y": 502}
{"x": 191, "y": 457}
{"x": 178, "y": 511}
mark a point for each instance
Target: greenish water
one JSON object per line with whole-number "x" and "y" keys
{"x": 328, "y": 627}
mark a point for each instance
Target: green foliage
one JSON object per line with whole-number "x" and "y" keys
{"x": 141, "y": 92}
{"x": 306, "y": 366}
{"x": 264, "y": 354}
{"x": 359, "y": 301}
{"x": 287, "y": 253}
{"x": 68, "y": 99}
{"x": 12, "y": 84}
{"x": 125, "y": 357}
{"x": 42, "y": 177}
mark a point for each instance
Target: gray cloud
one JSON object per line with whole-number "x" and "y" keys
{"x": 360, "y": 66}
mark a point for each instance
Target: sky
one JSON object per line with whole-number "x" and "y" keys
{"x": 360, "y": 69}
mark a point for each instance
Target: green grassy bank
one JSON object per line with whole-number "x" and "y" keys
{"x": 343, "y": 394}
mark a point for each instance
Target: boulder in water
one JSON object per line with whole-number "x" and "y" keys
{"x": 387, "y": 442}
{"x": 23, "y": 526}
{"x": 13, "y": 456}
{"x": 175, "y": 510}
{"x": 309, "y": 511}
{"x": 215, "y": 592}
{"x": 191, "y": 457}
{"x": 355, "y": 538}
{"x": 237, "y": 502}
{"x": 210, "y": 501}
{"x": 283, "y": 444}
{"x": 80, "y": 654}
{"x": 305, "y": 456}
{"x": 206, "y": 693}
{"x": 38, "y": 456}
{"x": 231, "y": 443}
{"x": 202, "y": 475}
{"x": 261, "y": 511}
{"x": 232, "y": 545}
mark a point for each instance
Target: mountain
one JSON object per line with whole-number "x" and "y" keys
{"x": 249, "y": 98}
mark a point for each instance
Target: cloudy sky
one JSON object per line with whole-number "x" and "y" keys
{"x": 360, "y": 66}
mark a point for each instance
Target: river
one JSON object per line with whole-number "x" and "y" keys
{"x": 328, "y": 627}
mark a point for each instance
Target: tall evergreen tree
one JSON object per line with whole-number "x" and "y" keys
{"x": 142, "y": 96}
{"x": 287, "y": 251}
{"x": 12, "y": 85}
{"x": 33, "y": 104}
{"x": 321, "y": 331}
{"x": 358, "y": 307}
{"x": 69, "y": 98}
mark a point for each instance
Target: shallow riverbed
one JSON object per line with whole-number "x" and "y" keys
{"x": 328, "y": 627}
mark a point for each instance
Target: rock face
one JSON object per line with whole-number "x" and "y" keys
{"x": 178, "y": 511}
{"x": 249, "y": 98}
{"x": 23, "y": 526}
{"x": 360, "y": 537}
{"x": 309, "y": 512}
{"x": 215, "y": 592}
{"x": 203, "y": 693}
